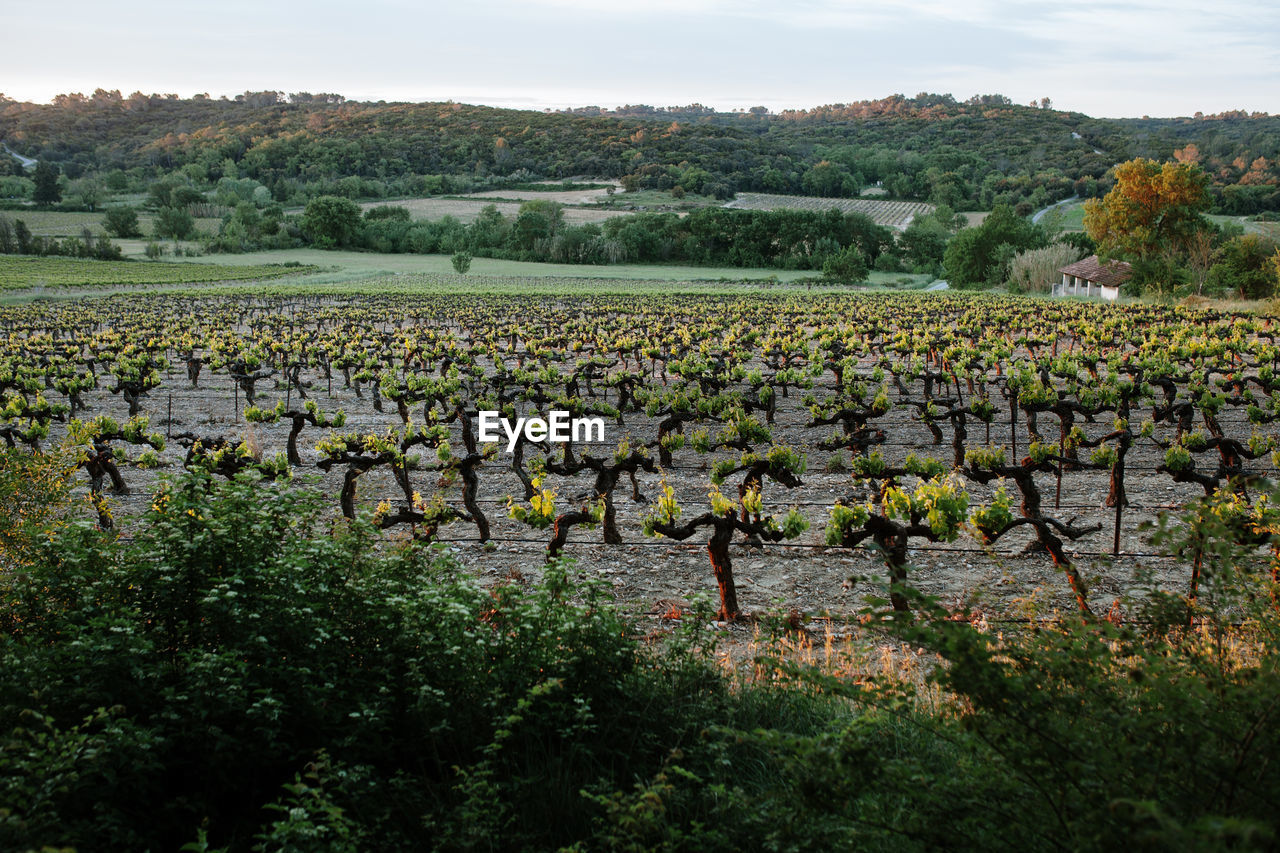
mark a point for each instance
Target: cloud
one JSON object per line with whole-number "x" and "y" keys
{"x": 1103, "y": 58}
{"x": 798, "y": 14}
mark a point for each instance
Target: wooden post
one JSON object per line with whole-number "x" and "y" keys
{"x": 1115, "y": 545}
{"x": 1013, "y": 424}
{"x": 168, "y": 427}
{"x": 1062, "y": 449}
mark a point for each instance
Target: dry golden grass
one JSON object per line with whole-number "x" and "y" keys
{"x": 860, "y": 657}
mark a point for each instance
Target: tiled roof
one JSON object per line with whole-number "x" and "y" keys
{"x": 1112, "y": 274}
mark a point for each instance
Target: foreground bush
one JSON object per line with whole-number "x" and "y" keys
{"x": 245, "y": 675}
{"x": 241, "y": 671}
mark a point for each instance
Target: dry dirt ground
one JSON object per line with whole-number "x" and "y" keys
{"x": 653, "y": 576}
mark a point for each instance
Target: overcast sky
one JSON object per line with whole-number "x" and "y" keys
{"x": 1152, "y": 57}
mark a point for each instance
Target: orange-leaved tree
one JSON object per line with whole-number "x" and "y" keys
{"x": 1153, "y": 209}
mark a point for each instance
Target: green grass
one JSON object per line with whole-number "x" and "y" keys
{"x": 57, "y": 223}
{"x": 1266, "y": 229}
{"x": 20, "y": 272}
{"x": 401, "y": 272}
{"x": 332, "y": 284}
{"x": 1068, "y": 217}
{"x": 358, "y": 265}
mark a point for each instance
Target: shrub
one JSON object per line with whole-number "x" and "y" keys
{"x": 1036, "y": 270}
{"x": 331, "y": 221}
{"x": 236, "y": 650}
{"x": 247, "y": 673}
{"x": 121, "y": 221}
{"x": 847, "y": 265}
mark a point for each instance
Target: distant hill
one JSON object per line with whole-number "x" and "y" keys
{"x": 971, "y": 154}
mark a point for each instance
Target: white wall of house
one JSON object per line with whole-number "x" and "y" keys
{"x": 1075, "y": 286}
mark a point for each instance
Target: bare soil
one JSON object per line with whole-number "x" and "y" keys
{"x": 658, "y": 576}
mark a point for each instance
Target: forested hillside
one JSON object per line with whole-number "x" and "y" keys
{"x": 971, "y": 154}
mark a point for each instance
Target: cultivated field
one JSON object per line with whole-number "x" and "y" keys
{"x": 24, "y": 273}
{"x": 353, "y": 266}
{"x": 57, "y": 223}
{"x": 466, "y": 210}
{"x": 897, "y": 408}
{"x": 894, "y": 214}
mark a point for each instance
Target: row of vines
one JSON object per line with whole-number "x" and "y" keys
{"x": 918, "y": 420}
{"x": 894, "y": 214}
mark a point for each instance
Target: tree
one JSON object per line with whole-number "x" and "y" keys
{"x": 461, "y": 262}
{"x": 174, "y": 222}
{"x": 1244, "y": 266}
{"x": 924, "y": 243}
{"x": 1152, "y": 209}
{"x": 121, "y": 221}
{"x": 981, "y": 255}
{"x": 168, "y": 192}
{"x": 331, "y": 220}
{"x": 829, "y": 179}
{"x": 537, "y": 220}
{"x": 89, "y": 191}
{"x": 848, "y": 265}
{"x": 47, "y": 190}
{"x": 22, "y": 237}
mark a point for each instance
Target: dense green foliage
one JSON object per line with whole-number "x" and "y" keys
{"x": 982, "y": 255}
{"x": 711, "y": 236}
{"x": 331, "y": 220}
{"x": 239, "y": 676}
{"x": 244, "y": 160}
{"x": 176, "y": 683}
{"x": 1245, "y": 265}
{"x": 973, "y": 154}
{"x": 121, "y": 221}
{"x": 1153, "y": 218}
{"x": 16, "y": 239}
{"x": 1239, "y": 151}
{"x": 46, "y": 189}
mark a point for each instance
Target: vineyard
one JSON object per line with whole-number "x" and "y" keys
{"x": 27, "y": 273}
{"x": 59, "y": 223}
{"x": 784, "y": 449}
{"x": 893, "y": 214}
